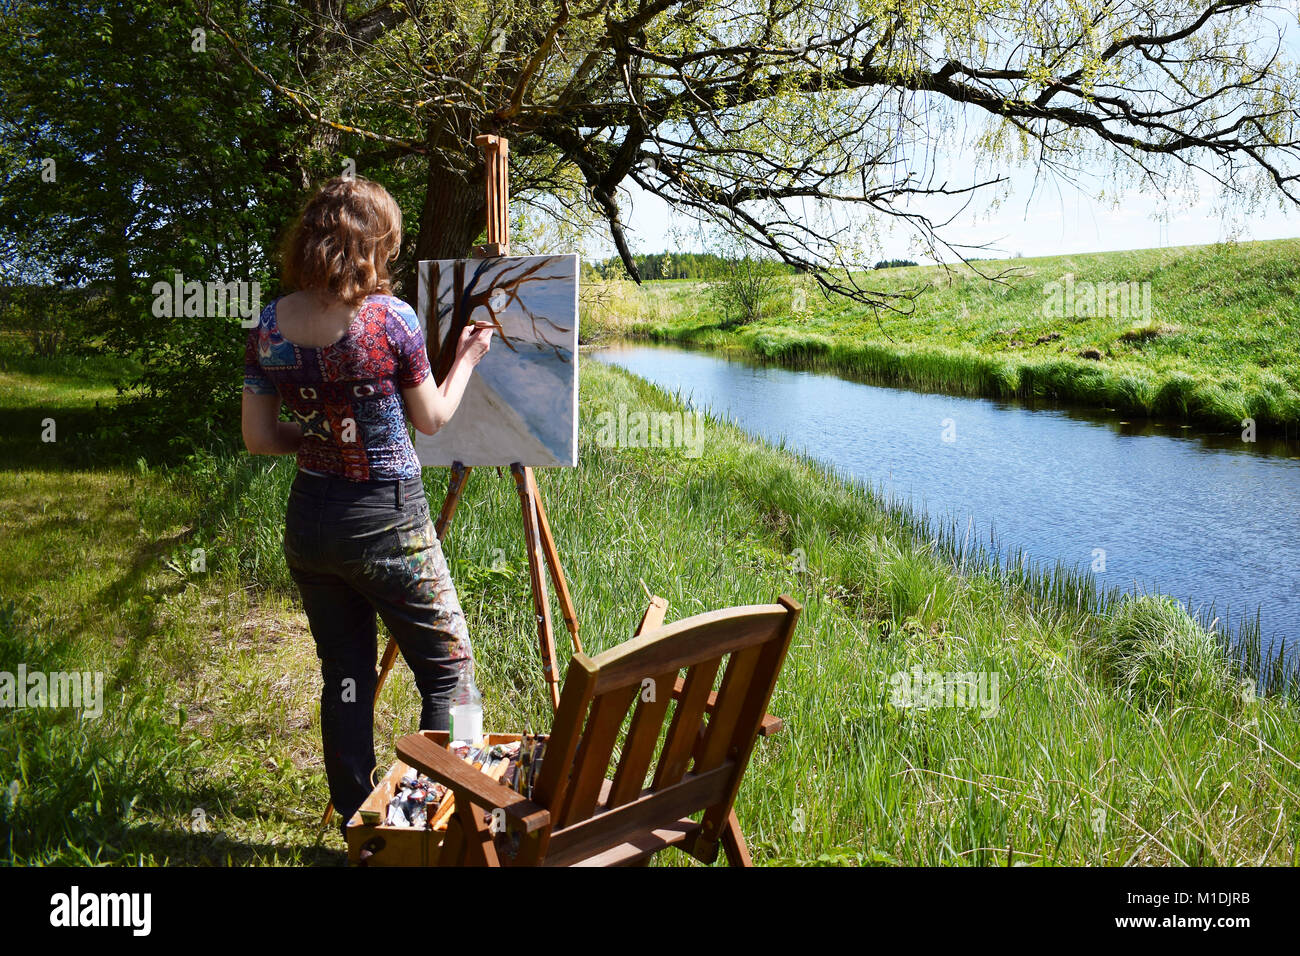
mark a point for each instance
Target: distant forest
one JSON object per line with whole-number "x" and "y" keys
{"x": 689, "y": 265}
{"x": 669, "y": 265}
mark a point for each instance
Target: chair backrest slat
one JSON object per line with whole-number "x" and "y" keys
{"x": 639, "y": 748}
{"x": 716, "y": 741}
{"x": 566, "y": 732}
{"x": 685, "y": 728}
{"x": 588, "y": 773}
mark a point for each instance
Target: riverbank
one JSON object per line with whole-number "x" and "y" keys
{"x": 1092, "y": 739}
{"x": 1207, "y": 335}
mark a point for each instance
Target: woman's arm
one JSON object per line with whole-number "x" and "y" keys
{"x": 430, "y": 405}
{"x": 264, "y": 433}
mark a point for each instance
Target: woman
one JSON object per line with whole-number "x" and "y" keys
{"x": 349, "y": 361}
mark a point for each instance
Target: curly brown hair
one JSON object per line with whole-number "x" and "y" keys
{"x": 343, "y": 240}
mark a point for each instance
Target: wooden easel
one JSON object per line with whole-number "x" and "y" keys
{"x": 538, "y": 542}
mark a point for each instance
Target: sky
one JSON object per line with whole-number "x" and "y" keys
{"x": 1052, "y": 219}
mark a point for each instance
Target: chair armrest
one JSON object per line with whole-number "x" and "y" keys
{"x": 470, "y": 785}
{"x": 770, "y": 725}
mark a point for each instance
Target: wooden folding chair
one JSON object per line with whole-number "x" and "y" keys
{"x": 578, "y": 815}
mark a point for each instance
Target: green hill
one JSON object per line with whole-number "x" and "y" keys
{"x": 1204, "y": 334}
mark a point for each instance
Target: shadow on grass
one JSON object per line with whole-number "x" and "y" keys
{"x": 214, "y": 848}
{"x": 118, "y": 593}
{"x": 142, "y": 790}
{"x": 84, "y": 439}
{"x": 122, "y": 594}
{"x": 213, "y": 808}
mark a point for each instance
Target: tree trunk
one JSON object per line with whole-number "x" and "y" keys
{"x": 453, "y": 216}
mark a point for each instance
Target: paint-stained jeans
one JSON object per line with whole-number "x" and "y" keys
{"x": 356, "y": 548}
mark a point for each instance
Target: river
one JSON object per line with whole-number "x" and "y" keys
{"x": 1209, "y": 519}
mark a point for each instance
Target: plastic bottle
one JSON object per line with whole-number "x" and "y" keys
{"x": 467, "y": 708}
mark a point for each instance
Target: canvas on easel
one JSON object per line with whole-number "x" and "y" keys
{"x": 521, "y": 405}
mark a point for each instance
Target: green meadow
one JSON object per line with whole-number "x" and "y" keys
{"x": 1203, "y": 334}
{"x": 1119, "y": 732}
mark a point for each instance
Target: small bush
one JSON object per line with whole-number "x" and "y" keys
{"x": 745, "y": 289}
{"x": 1157, "y": 654}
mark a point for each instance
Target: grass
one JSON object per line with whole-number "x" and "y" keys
{"x": 1221, "y": 341}
{"x": 95, "y": 576}
{"x": 212, "y": 681}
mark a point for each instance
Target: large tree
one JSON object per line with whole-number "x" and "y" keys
{"x": 134, "y": 151}
{"x": 183, "y": 133}
{"x": 772, "y": 118}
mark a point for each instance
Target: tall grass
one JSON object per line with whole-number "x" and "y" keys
{"x": 1155, "y": 653}
{"x": 1072, "y": 768}
{"x": 1094, "y": 756}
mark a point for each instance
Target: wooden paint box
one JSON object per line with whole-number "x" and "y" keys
{"x": 399, "y": 846}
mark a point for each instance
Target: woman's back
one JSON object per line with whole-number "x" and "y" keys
{"x": 345, "y": 393}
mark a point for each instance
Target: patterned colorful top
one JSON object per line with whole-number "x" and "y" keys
{"x": 346, "y": 395}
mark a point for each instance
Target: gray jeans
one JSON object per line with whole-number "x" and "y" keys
{"x": 357, "y": 548}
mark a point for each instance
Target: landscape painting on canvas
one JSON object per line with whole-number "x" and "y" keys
{"x": 521, "y": 404}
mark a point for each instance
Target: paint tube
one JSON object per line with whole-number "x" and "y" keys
{"x": 397, "y": 812}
